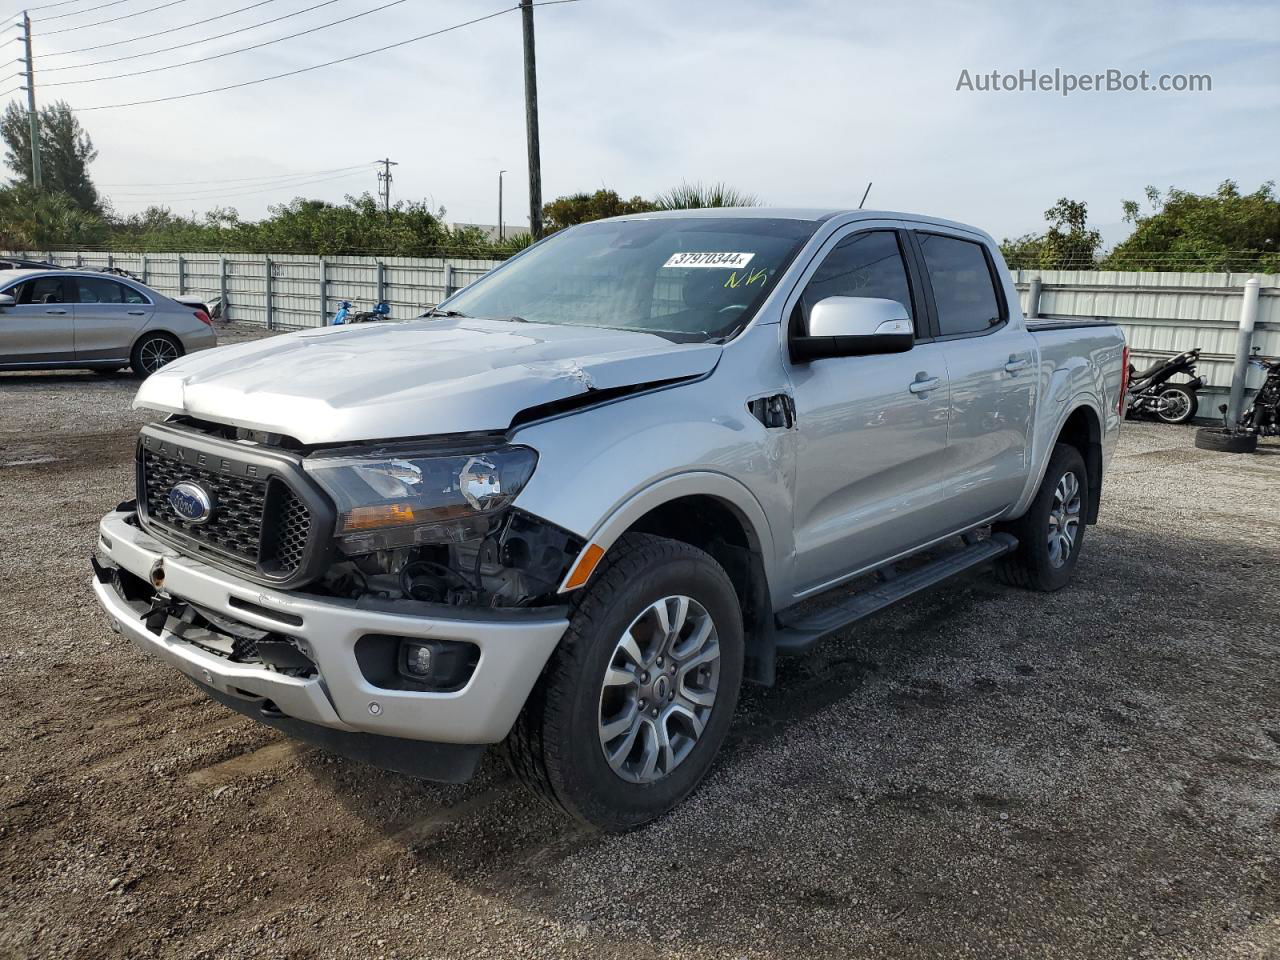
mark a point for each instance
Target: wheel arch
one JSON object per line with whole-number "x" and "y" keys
{"x": 718, "y": 515}
{"x": 1082, "y": 429}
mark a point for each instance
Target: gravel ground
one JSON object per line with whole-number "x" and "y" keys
{"x": 980, "y": 772}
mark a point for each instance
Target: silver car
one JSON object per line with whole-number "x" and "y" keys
{"x": 78, "y": 318}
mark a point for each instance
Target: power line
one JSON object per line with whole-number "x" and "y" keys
{"x": 46, "y": 6}
{"x": 189, "y": 43}
{"x": 243, "y": 193}
{"x": 126, "y": 16}
{"x": 228, "y": 189}
{"x": 228, "y": 53}
{"x": 273, "y": 176}
{"x": 317, "y": 66}
{"x": 76, "y": 13}
{"x": 159, "y": 33}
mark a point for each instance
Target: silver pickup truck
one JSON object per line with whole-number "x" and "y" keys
{"x": 572, "y": 508}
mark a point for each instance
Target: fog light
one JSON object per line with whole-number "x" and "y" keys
{"x": 417, "y": 660}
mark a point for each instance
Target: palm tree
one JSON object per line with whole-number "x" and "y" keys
{"x": 692, "y": 196}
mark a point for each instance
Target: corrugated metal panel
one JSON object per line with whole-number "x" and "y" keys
{"x": 1163, "y": 314}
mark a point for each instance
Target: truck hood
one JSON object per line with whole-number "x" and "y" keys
{"x": 417, "y": 378}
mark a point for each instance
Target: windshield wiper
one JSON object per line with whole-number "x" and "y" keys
{"x": 437, "y": 312}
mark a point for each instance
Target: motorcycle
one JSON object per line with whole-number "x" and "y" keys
{"x": 1151, "y": 393}
{"x": 345, "y": 314}
{"x": 1262, "y": 419}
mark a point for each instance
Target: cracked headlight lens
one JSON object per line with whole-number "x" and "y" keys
{"x": 387, "y": 500}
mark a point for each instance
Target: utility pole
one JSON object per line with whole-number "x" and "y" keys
{"x": 501, "y": 233}
{"x": 32, "y": 117}
{"x": 531, "y": 122}
{"x": 384, "y": 184}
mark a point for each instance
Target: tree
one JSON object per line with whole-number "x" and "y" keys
{"x": 45, "y": 221}
{"x": 1224, "y": 231}
{"x": 585, "y": 207}
{"x": 66, "y": 150}
{"x": 695, "y": 196}
{"x": 1068, "y": 244}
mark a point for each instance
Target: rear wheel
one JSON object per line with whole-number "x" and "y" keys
{"x": 634, "y": 704}
{"x": 1051, "y": 532}
{"x": 1177, "y": 404}
{"x": 1226, "y": 441}
{"x": 153, "y": 351}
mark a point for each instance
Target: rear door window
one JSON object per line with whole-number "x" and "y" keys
{"x": 102, "y": 290}
{"x": 964, "y": 291}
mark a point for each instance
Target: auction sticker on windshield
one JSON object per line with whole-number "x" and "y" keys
{"x": 729, "y": 261}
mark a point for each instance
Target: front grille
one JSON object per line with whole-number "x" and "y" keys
{"x": 259, "y": 524}
{"x": 285, "y": 531}
{"x": 236, "y": 526}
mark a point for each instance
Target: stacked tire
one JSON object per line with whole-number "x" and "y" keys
{"x": 1226, "y": 441}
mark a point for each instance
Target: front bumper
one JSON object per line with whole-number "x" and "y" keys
{"x": 514, "y": 647}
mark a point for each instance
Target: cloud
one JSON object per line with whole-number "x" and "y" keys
{"x": 801, "y": 103}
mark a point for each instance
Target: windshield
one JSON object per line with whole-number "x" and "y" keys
{"x": 694, "y": 279}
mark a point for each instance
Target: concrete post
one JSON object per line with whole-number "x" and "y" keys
{"x": 1244, "y": 343}
{"x": 324, "y": 292}
{"x": 448, "y": 281}
{"x": 270, "y": 315}
{"x": 382, "y": 282}
{"x": 182, "y": 275}
{"x": 145, "y": 264}
{"x": 1033, "y": 298}
{"x": 222, "y": 288}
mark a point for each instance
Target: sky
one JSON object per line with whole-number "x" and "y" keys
{"x": 801, "y": 103}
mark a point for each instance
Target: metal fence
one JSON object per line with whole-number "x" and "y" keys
{"x": 290, "y": 291}
{"x": 1162, "y": 313}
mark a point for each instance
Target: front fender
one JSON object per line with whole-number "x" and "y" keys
{"x": 600, "y": 470}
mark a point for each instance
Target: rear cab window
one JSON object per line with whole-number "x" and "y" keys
{"x": 964, "y": 292}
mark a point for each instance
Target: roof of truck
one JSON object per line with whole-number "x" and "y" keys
{"x": 813, "y": 214}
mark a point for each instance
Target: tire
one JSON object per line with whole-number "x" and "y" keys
{"x": 150, "y": 348}
{"x": 558, "y": 745}
{"x": 1226, "y": 441}
{"x": 1039, "y": 563}
{"x": 1183, "y": 402}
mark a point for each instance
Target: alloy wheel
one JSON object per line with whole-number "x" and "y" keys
{"x": 659, "y": 689}
{"x": 1064, "y": 519}
{"x": 155, "y": 353}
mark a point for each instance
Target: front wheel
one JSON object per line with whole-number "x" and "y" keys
{"x": 1051, "y": 532}
{"x": 1177, "y": 404}
{"x": 636, "y": 701}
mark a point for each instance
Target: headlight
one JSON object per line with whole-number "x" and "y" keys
{"x": 407, "y": 497}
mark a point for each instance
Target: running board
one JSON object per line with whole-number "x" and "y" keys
{"x": 797, "y": 634}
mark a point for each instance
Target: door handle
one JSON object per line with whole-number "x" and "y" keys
{"x": 137, "y": 313}
{"x": 923, "y": 384}
{"x": 59, "y": 312}
{"x": 1016, "y": 363}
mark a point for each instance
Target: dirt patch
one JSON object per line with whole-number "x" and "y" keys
{"x": 980, "y": 772}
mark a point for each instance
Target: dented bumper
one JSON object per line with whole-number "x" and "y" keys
{"x": 337, "y": 697}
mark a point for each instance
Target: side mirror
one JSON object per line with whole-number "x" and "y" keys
{"x": 854, "y": 327}
{"x": 7, "y": 301}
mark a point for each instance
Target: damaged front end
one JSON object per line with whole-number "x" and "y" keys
{"x": 434, "y": 523}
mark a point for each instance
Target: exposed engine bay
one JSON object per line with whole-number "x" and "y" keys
{"x": 519, "y": 563}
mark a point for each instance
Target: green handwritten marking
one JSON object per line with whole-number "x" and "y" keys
{"x": 733, "y": 280}
{"x": 757, "y": 275}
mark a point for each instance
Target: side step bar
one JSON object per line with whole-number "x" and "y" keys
{"x": 797, "y": 634}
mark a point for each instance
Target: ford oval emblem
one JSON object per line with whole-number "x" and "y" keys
{"x": 191, "y": 502}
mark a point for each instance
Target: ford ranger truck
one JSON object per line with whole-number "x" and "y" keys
{"x": 572, "y": 508}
